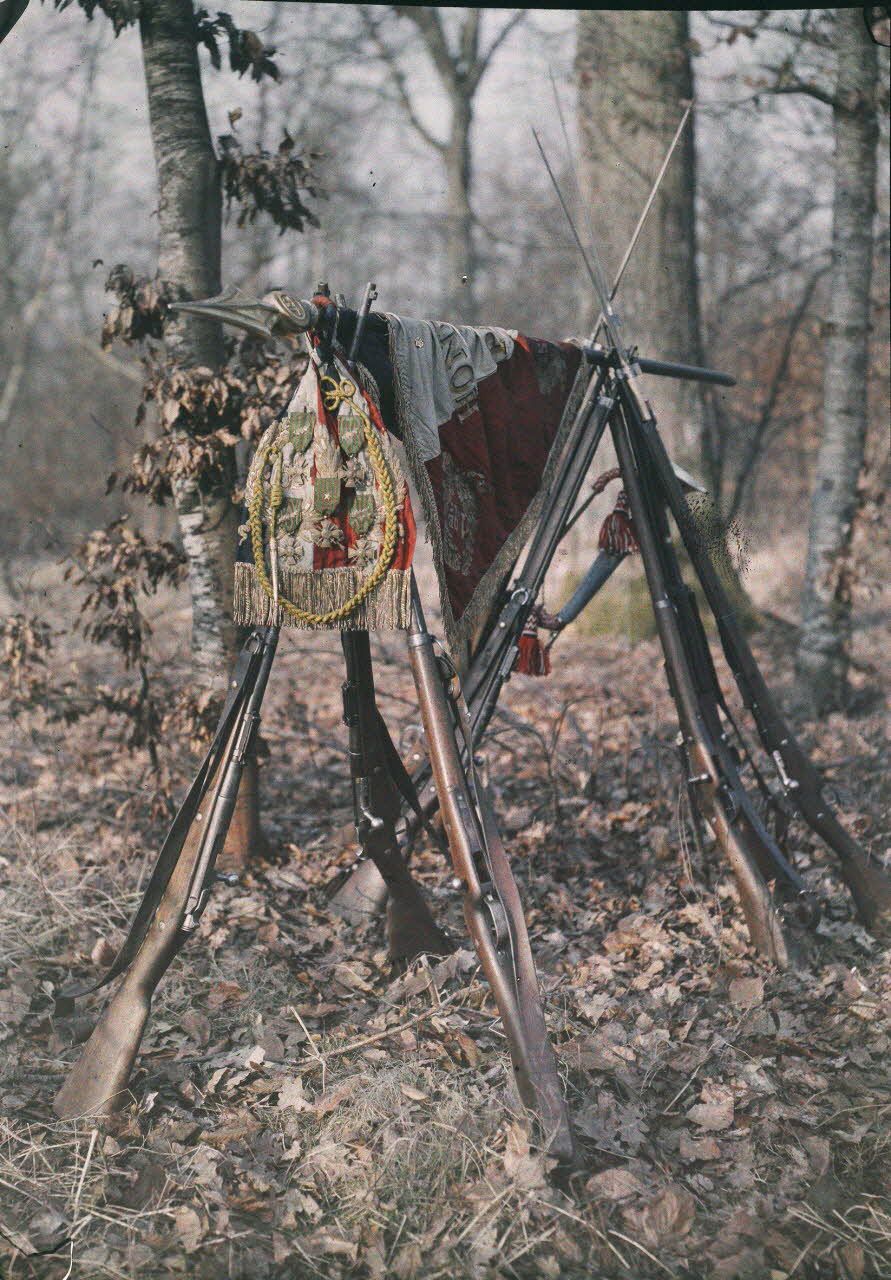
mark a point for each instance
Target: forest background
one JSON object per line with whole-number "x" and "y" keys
{"x": 78, "y": 194}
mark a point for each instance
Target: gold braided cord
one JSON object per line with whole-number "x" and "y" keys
{"x": 333, "y": 393}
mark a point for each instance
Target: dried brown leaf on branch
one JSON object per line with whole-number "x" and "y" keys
{"x": 277, "y": 184}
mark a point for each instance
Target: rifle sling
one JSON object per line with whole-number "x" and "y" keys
{"x": 399, "y": 775}
{"x": 238, "y": 688}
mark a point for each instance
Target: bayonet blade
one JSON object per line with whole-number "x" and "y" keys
{"x": 268, "y": 317}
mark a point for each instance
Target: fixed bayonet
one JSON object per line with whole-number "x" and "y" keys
{"x": 368, "y": 298}
{"x": 269, "y": 317}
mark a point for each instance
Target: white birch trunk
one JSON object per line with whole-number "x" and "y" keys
{"x": 189, "y": 216}
{"x": 190, "y": 219}
{"x": 823, "y": 651}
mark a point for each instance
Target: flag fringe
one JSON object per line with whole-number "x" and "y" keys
{"x": 387, "y": 608}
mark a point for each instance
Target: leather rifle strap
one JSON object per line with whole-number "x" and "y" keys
{"x": 400, "y": 776}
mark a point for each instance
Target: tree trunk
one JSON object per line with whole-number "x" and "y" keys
{"x": 634, "y": 75}
{"x": 822, "y": 658}
{"x": 190, "y": 220}
{"x": 461, "y": 295}
{"x": 634, "y": 80}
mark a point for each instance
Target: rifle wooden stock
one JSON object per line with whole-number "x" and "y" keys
{"x": 362, "y": 894}
{"x": 709, "y": 698}
{"x": 492, "y": 907}
{"x": 97, "y": 1083}
{"x": 762, "y": 921}
{"x": 706, "y": 782}
{"x": 869, "y": 885}
{"x": 411, "y": 928}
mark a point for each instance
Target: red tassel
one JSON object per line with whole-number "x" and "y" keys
{"x": 533, "y": 658}
{"x": 617, "y": 531}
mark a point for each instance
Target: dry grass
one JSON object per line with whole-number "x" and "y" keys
{"x": 302, "y": 1112}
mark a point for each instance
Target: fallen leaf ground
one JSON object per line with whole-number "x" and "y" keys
{"x": 305, "y": 1112}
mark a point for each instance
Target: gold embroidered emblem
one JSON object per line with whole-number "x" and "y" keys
{"x": 334, "y": 392}
{"x": 326, "y": 495}
{"x": 291, "y": 516}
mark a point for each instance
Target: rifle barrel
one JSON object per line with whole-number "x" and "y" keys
{"x": 598, "y": 355}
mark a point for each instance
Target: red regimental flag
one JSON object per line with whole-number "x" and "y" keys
{"x": 479, "y": 412}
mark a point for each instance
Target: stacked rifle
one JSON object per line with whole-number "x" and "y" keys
{"x": 391, "y": 808}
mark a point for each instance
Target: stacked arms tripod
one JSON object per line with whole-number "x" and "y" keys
{"x": 711, "y": 747}
{"x": 711, "y": 744}
{"x": 183, "y": 876}
{"x": 185, "y": 871}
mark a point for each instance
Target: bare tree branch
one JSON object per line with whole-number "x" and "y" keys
{"x": 485, "y": 59}
{"x": 768, "y": 275}
{"x": 806, "y": 87}
{"x": 469, "y": 44}
{"x": 399, "y": 81}
{"x": 755, "y": 442}
{"x": 429, "y": 24}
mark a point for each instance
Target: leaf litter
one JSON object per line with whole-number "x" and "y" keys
{"x": 304, "y": 1111}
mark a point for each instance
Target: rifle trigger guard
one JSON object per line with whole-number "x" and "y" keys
{"x": 789, "y": 784}
{"x": 731, "y": 804}
{"x": 497, "y": 918}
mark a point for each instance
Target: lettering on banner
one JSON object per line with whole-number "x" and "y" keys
{"x": 459, "y": 370}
